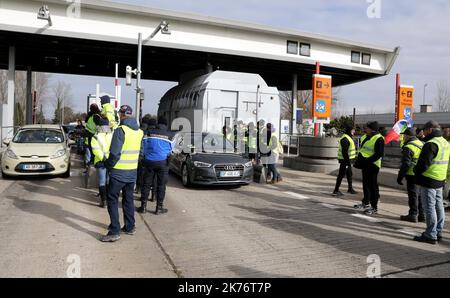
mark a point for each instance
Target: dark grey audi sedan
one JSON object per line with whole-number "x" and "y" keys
{"x": 208, "y": 159}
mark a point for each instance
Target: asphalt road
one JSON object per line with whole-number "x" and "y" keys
{"x": 293, "y": 229}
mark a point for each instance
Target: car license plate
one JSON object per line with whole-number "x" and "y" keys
{"x": 230, "y": 174}
{"x": 33, "y": 167}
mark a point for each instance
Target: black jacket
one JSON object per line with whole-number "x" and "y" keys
{"x": 429, "y": 152}
{"x": 407, "y": 159}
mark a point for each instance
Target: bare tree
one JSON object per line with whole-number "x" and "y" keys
{"x": 338, "y": 104}
{"x": 62, "y": 97}
{"x": 443, "y": 96}
{"x": 304, "y": 102}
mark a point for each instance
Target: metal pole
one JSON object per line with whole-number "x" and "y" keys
{"x": 138, "y": 79}
{"x": 316, "y": 125}
{"x": 62, "y": 111}
{"x": 424, "y": 90}
{"x": 29, "y": 104}
{"x": 397, "y": 97}
{"x": 294, "y": 103}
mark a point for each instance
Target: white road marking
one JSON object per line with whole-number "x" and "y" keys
{"x": 272, "y": 187}
{"x": 368, "y": 218}
{"x": 330, "y": 206}
{"x": 407, "y": 232}
{"x": 296, "y": 195}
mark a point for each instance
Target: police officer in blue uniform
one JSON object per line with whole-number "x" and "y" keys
{"x": 157, "y": 146}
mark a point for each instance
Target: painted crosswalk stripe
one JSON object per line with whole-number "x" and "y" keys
{"x": 408, "y": 232}
{"x": 368, "y": 218}
{"x": 296, "y": 195}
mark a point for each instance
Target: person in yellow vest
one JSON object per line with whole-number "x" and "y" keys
{"x": 431, "y": 173}
{"x": 122, "y": 165}
{"x": 101, "y": 143}
{"x": 447, "y": 137}
{"x": 412, "y": 147}
{"x": 91, "y": 121}
{"x": 346, "y": 155}
{"x": 271, "y": 160}
{"x": 369, "y": 161}
{"x": 109, "y": 112}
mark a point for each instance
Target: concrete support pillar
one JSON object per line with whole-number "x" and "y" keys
{"x": 8, "y": 106}
{"x": 29, "y": 105}
{"x": 292, "y": 128}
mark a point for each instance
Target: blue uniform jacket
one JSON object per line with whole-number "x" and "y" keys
{"x": 157, "y": 144}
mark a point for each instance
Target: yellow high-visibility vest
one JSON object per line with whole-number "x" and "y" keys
{"x": 368, "y": 149}
{"x": 101, "y": 143}
{"x": 129, "y": 156}
{"x": 439, "y": 168}
{"x": 109, "y": 112}
{"x": 416, "y": 148}
{"x": 351, "y": 148}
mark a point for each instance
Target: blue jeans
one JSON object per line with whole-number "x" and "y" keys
{"x": 87, "y": 156}
{"x": 102, "y": 175}
{"x": 433, "y": 207}
{"x": 272, "y": 168}
{"x": 115, "y": 186}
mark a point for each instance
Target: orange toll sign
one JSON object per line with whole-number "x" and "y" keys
{"x": 405, "y": 107}
{"x": 321, "y": 98}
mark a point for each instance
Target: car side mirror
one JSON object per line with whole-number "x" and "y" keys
{"x": 6, "y": 141}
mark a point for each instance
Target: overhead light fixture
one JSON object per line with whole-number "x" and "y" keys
{"x": 163, "y": 27}
{"x": 44, "y": 14}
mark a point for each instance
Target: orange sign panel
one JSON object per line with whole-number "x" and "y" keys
{"x": 405, "y": 108}
{"x": 321, "y": 98}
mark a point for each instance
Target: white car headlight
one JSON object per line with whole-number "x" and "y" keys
{"x": 200, "y": 164}
{"x": 9, "y": 153}
{"x": 248, "y": 164}
{"x": 59, "y": 153}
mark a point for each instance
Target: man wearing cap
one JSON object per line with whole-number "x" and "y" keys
{"x": 346, "y": 155}
{"x": 431, "y": 173}
{"x": 157, "y": 146}
{"x": 108, "y": 111}
{"x": 122, "y": 164}
{"x": 101, "y": 143}
{"x": 369, "y": 161}
{"x": 412, "y": 147}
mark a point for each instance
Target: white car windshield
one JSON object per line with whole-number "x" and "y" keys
{"x": 39, "y": 136}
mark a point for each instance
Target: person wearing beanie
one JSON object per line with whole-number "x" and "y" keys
{"x": 411, "y": 150}
{"x": 369, "y": 161}
{"x": 430, "y": 173}
{"x": 157, "y": 146}
{"x": 101, "y": 143}
{"x": 109, "y": 112}
{"x": 346, "y": 155}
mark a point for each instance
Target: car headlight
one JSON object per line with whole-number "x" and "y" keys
{"x": 248, "y": 164}
{"x": 199, "y": 164}
{"x": 9, "y": 153}
{"x": 59, "y": 154}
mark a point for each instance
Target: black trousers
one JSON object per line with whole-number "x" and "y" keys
{"x": 415, "y": 205}
{"x": 370, "y": 185}
{"x": 345, "y": 169}
{"x": 158, "y": 172}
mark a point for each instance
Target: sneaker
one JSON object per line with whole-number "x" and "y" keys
{"x": 131, "y": 232}
{"x": 110, "y": 238}
{"x": 439, "y": 238}
{"x": 361, "y": 206}
{"x": 279, "y": 179}
{"x": 421, "y": 218}
{"x": 337, "y": 194}
{"x": 352, "y": 192}
{"x": 409, "y": 218}
{"x": 425, "y": 239}
{"x": 371, "y": 211}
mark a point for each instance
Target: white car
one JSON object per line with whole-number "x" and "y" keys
{"x": 37, "y": 150}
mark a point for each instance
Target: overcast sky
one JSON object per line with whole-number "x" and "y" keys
{"x": 420, "y": 28}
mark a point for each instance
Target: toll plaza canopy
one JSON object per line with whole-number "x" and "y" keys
{"x": 90, "y": 39}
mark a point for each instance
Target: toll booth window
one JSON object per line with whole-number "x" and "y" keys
{"x": 292, "y": 47}
{"x": 366, "y": 59}
{"x": 305, "y": 49}
{"x": 356, "y": 57}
